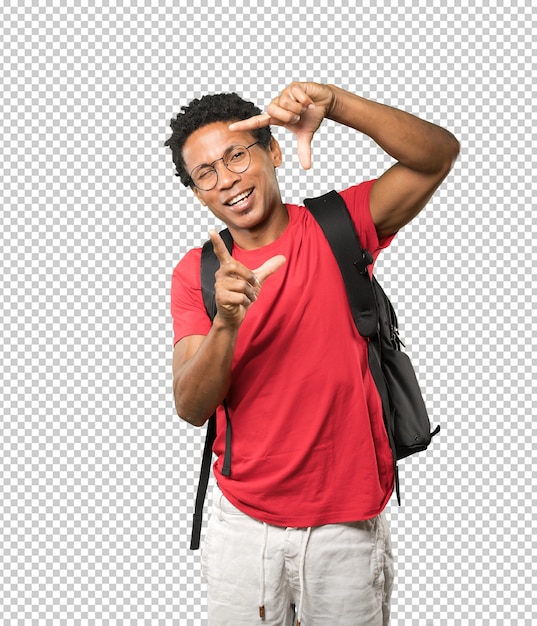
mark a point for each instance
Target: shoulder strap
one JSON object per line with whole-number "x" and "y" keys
{"x": 331, "y": 213}
{"x": 203, "y": 482}
{"x": 208, "y": 267}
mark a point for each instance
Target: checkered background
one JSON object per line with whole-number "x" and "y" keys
{"x": 97, "y": 474}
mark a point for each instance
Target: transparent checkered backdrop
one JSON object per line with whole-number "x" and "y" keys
{"x": 97, "y": 473}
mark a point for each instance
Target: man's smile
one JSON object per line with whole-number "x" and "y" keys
{"x": 240, "y": 198}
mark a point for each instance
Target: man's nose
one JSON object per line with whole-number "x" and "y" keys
{"x": 226, "y": 178}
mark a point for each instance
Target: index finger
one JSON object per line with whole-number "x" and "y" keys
{"x": 256, "y": 121}
{"x": 219, "y": 247}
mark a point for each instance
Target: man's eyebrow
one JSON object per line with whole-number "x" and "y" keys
{"x": 202, "y": 165}
{"x": 233, "y": 145}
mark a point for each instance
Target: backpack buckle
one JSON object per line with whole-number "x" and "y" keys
{"x": 361, "y": 264}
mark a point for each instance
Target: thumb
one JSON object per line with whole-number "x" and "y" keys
{"x": 304, "y": 150}
{"x": 269, "y": 267}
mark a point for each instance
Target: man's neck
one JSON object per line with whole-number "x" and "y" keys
{"x": 263, "y": 234}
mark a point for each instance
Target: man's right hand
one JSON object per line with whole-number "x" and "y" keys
{"x": 300, "y": 107}
{"x": 236, "y": 286}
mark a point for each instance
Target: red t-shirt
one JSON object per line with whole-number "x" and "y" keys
{"x": 309, "y": 443}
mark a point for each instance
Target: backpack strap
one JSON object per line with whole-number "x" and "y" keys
{"x": 331, "y": 213}
{"x": 203, "y": 482}
{"x": 208, "y": 268}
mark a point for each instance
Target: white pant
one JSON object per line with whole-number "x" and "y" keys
{"x": 334, "y": 575}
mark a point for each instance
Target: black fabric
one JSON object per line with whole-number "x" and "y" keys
{"x": 411, "y": 425}
{"x": 208, "y": 268}
{"x": 203, "y": 482}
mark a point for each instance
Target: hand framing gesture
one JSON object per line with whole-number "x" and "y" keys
{"x": 300, "y": 107}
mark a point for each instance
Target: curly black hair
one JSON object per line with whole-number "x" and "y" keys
{"x": 222, "y": 107}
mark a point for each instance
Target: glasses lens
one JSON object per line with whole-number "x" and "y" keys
{"x": 204, "y": 177}
{"x": 237, "y": 159}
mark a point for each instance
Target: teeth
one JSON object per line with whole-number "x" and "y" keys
{"x": 242, "y": 196}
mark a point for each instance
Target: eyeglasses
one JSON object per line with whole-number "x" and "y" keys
{"x": 237, "y": 159}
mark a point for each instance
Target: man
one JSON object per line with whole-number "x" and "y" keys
{"x": 299, "y": 522}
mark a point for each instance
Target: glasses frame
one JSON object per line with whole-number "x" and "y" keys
{"x": 239, "y": 145}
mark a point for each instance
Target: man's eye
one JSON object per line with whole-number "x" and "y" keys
{"x": 237, "y": 155}
{"x": 205, "y": 173}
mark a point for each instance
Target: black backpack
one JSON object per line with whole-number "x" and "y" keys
{"x": 405, "y": 416}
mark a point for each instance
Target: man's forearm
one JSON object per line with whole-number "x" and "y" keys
{"x": 415, "y": 143}
{"x": 201, "y": 382}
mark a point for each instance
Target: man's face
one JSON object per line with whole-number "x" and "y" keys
{"x": 242, "y": 201}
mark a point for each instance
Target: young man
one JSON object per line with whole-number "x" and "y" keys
{"x": 299, "y": 522}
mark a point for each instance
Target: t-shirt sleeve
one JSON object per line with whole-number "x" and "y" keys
{"x": 357, "y": 201}
{"x": 187, "y": 309}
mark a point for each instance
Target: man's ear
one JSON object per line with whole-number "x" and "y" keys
{"x": 275, "y": 152}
